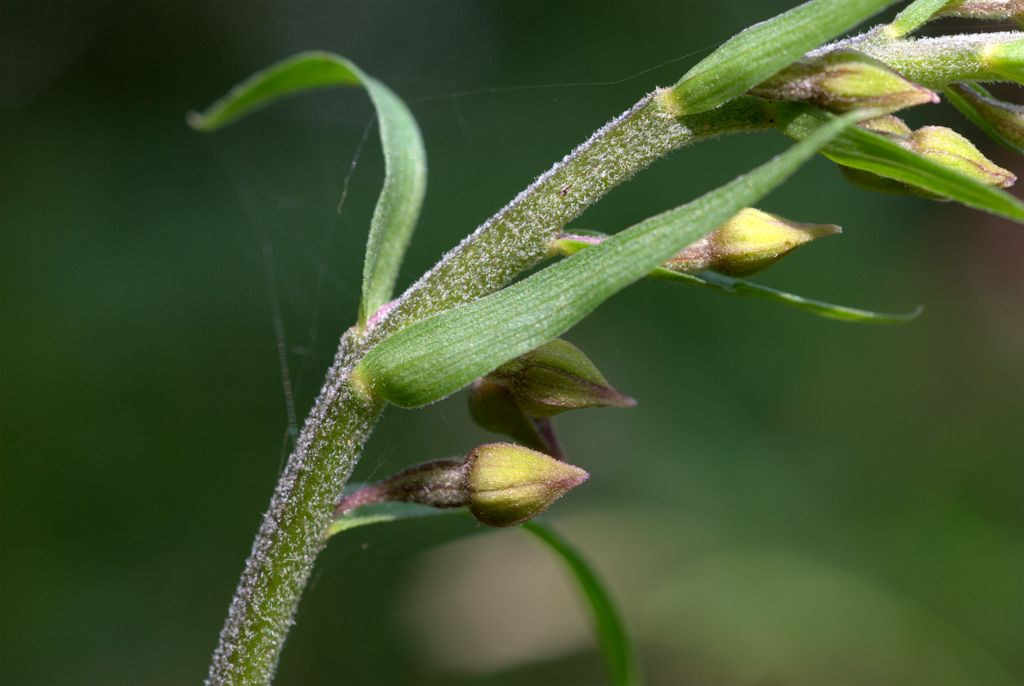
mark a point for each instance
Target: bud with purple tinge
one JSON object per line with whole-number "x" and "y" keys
{"x": 501, "y": 484}
{"x": 556, "y": 377}
{"x": 938, "y": 144}
{"x": 508, "y": 484}
{"x": 845, "y": 80}
{"x": 493, "y": 407}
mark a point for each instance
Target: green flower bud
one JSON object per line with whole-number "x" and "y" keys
{"x": 501, "y": 484}
{"x": 938, "y": 144}
{"x": 949, "y": 148}
{"x": 493, "y": 407}
{"x": 1002, "y": 120}
{"x": 750, "y": 241}
{"x": 1006, "y": 59}
{"x": 845, "y": 80}
{"x": 508, "y": 484}
{"x": 994, "y": 10}
{"x": 557, "y": 377}
{"x": 887, "y": 125}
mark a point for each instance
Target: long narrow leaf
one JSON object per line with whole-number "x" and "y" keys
{"x": 405, "y": 159}
{"x": 438, "y": 355}
{"x": 733, "y": 286}
{"x": 861, "y": 149}
{"x": 608, "y": 626}
{"x": 611, "y": 632}
{"x": 975, "y": 102}
{"x": 758, "y": 52}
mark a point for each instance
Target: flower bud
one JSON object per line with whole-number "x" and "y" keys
{"x": 937, "y": 143}
{"x": 493, "y": 407}
{"x": 508, "y": 484}
{"x": 887, "y": 125}
{"x": 1006, "y": 59}
{"x": 557, "y": 377}
{"x": 845, "y": 80}
{"x": 950, "y": 149}
{"x": 1002, "y": 120}
{"x": 501, "y": 484}
{"x": 750, "y": 241}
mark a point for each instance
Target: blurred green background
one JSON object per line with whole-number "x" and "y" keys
{"x": 794, "y": 502}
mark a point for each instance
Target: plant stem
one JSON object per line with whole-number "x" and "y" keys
{"x": 932, "y": 62}
{"x": 292, "y": 533}
{"x": 293, "y": 529}
{"x": 519, "y": 235}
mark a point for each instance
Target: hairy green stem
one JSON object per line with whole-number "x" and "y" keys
{"x": 932, "y": 62}
{"x": 517, "y": 237}
{"x": 520, "y": 234}
{"x": 293, "y": 529}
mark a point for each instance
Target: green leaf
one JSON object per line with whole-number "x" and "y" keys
{"x": 914, "y": 15}
{"x": 978, "y": 105}
{"x": 734, "y": 286}
{"x": 761, "y": 50}
{"x": 861, "y": 149}
{"x": 436, "y": 356}
{"x": 405, "y": 159}
{"x": 611, "y": 632}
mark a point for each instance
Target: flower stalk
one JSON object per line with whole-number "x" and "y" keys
{"x": 293, "y": 529}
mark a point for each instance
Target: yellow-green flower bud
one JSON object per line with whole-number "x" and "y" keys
{"x": 557, "y": 377}
{"x": 500, "y": 483}
{"x": 845, "y": 80}
{"x": 888, "y": 125}
{"x": 936, "y": 143}
{"x": 508, "y": 484}
{"x": 750, "y": 241}
{"x": 950, "y": 149}
{"x": 1006, "y": 59}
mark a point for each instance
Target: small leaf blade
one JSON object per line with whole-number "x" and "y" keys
{"x": 860, "y": 149}
{"x": 735, "y": 286}
{"x": 436, "y": 356}
{"x": 761, "y": 50}
{"x": 405, "y": 159}
{"x": 611, "y": 631}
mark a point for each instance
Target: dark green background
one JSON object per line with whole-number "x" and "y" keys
{"x": 794, "y": 501}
